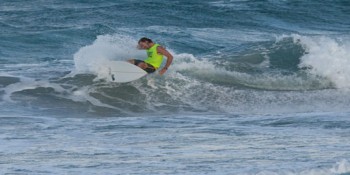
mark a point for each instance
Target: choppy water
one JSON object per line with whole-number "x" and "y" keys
{"x": 256, "y": 87}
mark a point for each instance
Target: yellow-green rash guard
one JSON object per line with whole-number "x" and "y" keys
{"x": 154, "y": 58}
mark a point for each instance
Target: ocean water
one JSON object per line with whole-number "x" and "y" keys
{"x": 256, "y": 87}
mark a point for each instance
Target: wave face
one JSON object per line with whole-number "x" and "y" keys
{"x": 289, "y": 73}
{"x": 230, "y": 56}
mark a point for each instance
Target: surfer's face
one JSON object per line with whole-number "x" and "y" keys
{"x": 143, "y": 45}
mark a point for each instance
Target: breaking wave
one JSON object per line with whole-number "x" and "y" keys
{"x": 293, "y": 72}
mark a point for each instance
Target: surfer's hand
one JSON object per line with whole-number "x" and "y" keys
{"x": 161, "y": 72}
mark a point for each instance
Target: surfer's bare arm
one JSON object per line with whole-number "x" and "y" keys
{"x": 169, "y": 59}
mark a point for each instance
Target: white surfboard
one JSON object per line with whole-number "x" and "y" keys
{"x": 122, "y": 71}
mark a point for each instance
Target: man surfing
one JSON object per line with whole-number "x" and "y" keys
{"x": 155, "y": 54}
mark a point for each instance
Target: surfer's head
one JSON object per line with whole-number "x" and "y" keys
{"x": 144, "y": 43}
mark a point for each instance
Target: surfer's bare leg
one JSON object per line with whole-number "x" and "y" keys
{"x": 132, "y": 61}
{"x": 142, "y": 65}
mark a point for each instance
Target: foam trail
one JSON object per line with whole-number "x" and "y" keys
{"x": 28, "y": 84}
{"x": 206, "y": 70}
{"x": 83, "y": 95}
{"x": 78, "y": 95}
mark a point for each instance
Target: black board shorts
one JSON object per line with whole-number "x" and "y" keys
{"x": 149, "y": 69}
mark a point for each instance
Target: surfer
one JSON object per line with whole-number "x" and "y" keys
{"x": 155, "y": 54}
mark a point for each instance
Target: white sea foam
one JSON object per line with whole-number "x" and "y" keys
{"x": 326, "y": 57}
{"x": 94, "y": 58}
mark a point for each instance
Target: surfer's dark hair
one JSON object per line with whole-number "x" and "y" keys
{"x": 144, "y": 39}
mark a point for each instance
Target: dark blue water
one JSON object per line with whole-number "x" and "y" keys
{"x": 256, "y": 87}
